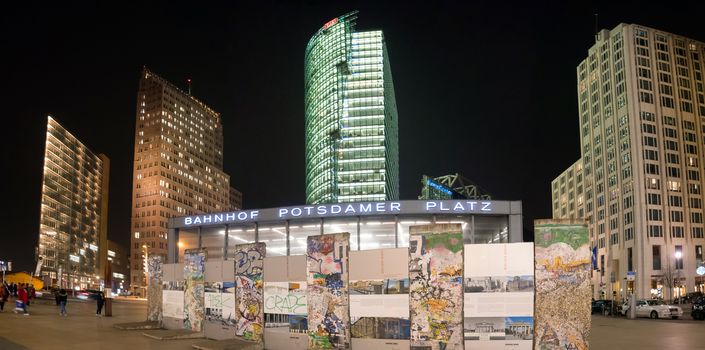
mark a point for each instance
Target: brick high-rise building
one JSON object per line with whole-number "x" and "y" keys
{"x": 178, "y": 167}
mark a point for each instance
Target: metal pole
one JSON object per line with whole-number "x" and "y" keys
{"x": 288, "y": 237}
{"x": 225, "y": 242}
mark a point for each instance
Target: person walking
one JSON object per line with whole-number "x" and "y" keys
{"x": 63, "y": 297}
{"x": 23, "y": 298}
{"x": 100, "y": 299}
{"x": 4, "y": 294}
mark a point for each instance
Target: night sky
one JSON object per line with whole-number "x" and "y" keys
{"x": 486, "y": 89}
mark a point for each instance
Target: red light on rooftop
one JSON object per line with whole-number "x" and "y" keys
{"x": 330, "y": 23}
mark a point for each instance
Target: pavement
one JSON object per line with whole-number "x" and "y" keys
{"x": 81, "y": 329}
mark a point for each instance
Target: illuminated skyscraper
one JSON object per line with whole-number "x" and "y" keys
{"x": 351, "y": 116}
{"x": 640, "y": 178}
{"x": 73, "y": 217}
{"x": 178, "y": 167}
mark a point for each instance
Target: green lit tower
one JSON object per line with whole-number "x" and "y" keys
{"x": 352, "y": 152}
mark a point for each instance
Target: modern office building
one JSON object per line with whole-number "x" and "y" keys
{"x": 74, "y": 209}
{"x": 642, "y": 133}
{"x": 351, "y": 116}
{"x": 177, "y": 166}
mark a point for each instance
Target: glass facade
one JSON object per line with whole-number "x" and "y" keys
{"x": 366, "y": 233}
{"x": 72, "y": 193}
{"x": 351, "y": 117}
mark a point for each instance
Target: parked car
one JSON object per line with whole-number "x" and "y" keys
{"x": 602, "y": 307}
{"x": 698, "y": 312}
{"x": 657, "y": 309}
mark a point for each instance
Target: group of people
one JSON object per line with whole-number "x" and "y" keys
{"x": 62, "y": 297}
{"x": 23, "y": 294}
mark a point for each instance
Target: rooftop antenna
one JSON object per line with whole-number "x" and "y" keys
{"x": 597, "y": 27}
{"x": 188, "y": 82}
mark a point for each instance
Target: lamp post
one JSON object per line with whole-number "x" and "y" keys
{"x": 144, "y": 267}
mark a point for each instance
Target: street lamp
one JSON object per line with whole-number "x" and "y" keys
{"x": 145, "y": 267}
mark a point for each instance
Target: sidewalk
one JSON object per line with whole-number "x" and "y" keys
{"x": 81, "y": 329}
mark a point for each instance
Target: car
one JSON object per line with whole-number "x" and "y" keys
{"x": 698, "y": 311}
{"x": 602, "y": 307}
{"x": 87, "y": 294}
{"x": 653, "y": 308}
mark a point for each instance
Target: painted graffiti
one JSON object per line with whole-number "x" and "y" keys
{"x": 436, "y": 291}
{"x": 194, "y": 267}
{"x": 327, "y": 291}
{"x": 249, "y": 311}
{"x": 154, "y": 288}
{"x": 563, "y": 289}
{"x": 285, "y": 302}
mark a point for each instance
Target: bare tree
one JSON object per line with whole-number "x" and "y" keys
{"x": 671, "y": 279}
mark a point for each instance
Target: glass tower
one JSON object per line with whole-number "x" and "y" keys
{"x": 73, "y": 209}
{"x": 351, "y": 116}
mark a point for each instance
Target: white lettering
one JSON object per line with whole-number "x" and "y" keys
{"x": 254, "y": 214}
{"x": 206, "y": 219}
{"x": 443, "y": 207}
{"x": 349, "y": 209}
{"x": 380, "y": 207}
{"x": 486, "y": 206}
{"x": 296, "y": 212}
{"x": 283, "y": 211}
{"x": 197, "y": 220}
{"x": 218, "y": 217}
{"x": 430, "y": 205}
{"x": 458, "y": 206}
{"x": 472, "y": 205}
{"x": 230, "y": 217}
{"x": 322, "y": 210}
{"x": 365, "y": 208}
{"x": 394, "y": 206}
{"x": 242, "y": 216}
{"x": 188, "y": 220}
{"x": 308, "y": 210}
{"x": 335, "y": 209}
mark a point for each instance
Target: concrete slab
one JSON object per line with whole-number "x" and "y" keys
{"x": 172, "y": 334}
{"x": 229, "y": 344}
{"x": 130, "y": 326}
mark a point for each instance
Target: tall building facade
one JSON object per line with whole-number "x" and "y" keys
{"x": 74, "y": 209}
{"x": 642, "y": 136}
{"x": 178, "y": 167}
{"x": 351, "y": 116}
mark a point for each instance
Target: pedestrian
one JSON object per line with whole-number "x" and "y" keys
{"x": 63, "y": 297}
{"x": 56, "y": 295}
{"x": 4, "y": 294}
{"x": 100, "y": 299}
{"x": 31, "y": 293}
{"x": 22, "y": 299}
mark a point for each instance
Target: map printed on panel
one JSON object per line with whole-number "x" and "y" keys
{"x": 249, "y": 265}
{"x": 327, "y": 291}
{"x": 436, "y": 290}
{"x": 194, "y": 268}
{"x": 499, "y": 296}
{"x": 563, "y": 291}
